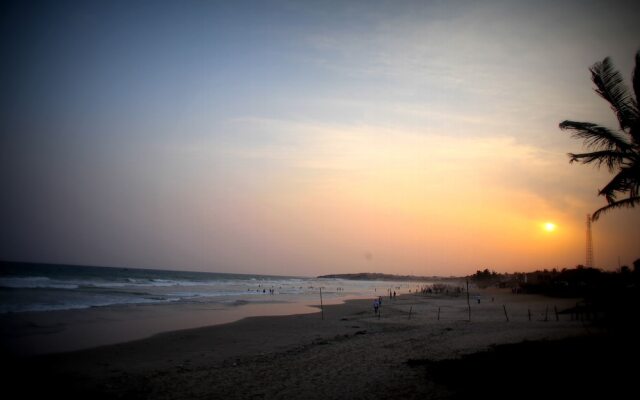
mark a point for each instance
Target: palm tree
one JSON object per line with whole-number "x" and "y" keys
{"x": 618, "y": 149}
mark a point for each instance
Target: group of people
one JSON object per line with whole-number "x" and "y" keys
{"x": 271, "y": 290}
{"x": 377, "y": 303}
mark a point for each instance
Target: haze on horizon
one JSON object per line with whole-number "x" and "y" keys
{"x": 307, "y": 138}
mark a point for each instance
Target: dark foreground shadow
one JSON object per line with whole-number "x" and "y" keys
{"x": 591, "y": 367}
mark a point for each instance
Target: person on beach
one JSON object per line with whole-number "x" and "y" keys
{"x": 376, "y": 304}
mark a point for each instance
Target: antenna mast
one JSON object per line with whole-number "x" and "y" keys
{"x": 589, "y": 261}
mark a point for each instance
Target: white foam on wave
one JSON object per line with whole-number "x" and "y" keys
{"x": 140, "y": 283}
{"x": 188, "y": 295}
{"x": 18, "y": 308}
{"x": 83, "y": 304}
{"x": 35, "y": 282}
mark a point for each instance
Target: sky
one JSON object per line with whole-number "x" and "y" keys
{"x": 307, "y": 137}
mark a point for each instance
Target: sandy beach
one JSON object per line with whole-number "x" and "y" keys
{"x": 351, "y": 353}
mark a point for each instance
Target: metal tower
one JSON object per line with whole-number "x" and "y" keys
{"x": 589, "y": 260}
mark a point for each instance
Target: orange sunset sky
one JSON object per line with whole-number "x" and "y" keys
{"x": 307, "y": 138}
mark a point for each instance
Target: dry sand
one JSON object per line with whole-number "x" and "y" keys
{"x": 351, "y": 353}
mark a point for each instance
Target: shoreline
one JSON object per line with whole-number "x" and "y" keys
{"x": 51, "y": 332}
{"x": 350, "y": 353}
{"x": 46, "y": 331}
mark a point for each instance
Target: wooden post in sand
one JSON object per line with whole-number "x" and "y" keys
{"x": 468, "y": 303}
{"x": 321, "y": 307}
{"x": 505, "y": 312}
{"x": 546, "y": 314}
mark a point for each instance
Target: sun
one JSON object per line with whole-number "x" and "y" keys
{"x": 549, "y": 226}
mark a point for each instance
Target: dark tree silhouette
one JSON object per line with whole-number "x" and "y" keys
{"x": 618, "y": 149}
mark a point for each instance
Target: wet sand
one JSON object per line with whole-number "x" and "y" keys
{"x": 35, "y": 333}
{"x": 351, "y": 353}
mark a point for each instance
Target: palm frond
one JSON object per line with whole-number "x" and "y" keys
{"x": 629, "y": 202}
{"x": 634, "y": 129}
{"x": 611, "y": 158}
{"x": 626, "y": 180}
{"x": 611, "y": 87}
{"x": 636, "y": 78}
{"x": 596, "y": 136}
{"x": 619, "y": 150}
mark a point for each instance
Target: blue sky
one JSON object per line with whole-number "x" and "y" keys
{"x": 294, "y": 137}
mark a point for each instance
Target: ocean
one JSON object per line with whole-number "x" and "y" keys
{"x": 48, "y": 308}
{"x": 27, "y": 287}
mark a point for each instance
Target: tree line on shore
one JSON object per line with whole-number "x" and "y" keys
{"x": 613, "y": 295}
{"x": 567, "y": 282}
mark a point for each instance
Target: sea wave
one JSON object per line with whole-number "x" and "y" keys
{"x": 82, "y": 304}
{"x": 35, "y": 282}
{"x": 135, "y": 282}
{"x": 41, "y": 282}
{"x": 191, "y": 295}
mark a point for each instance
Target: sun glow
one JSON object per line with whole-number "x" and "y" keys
{"x": 549, "y": 226}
